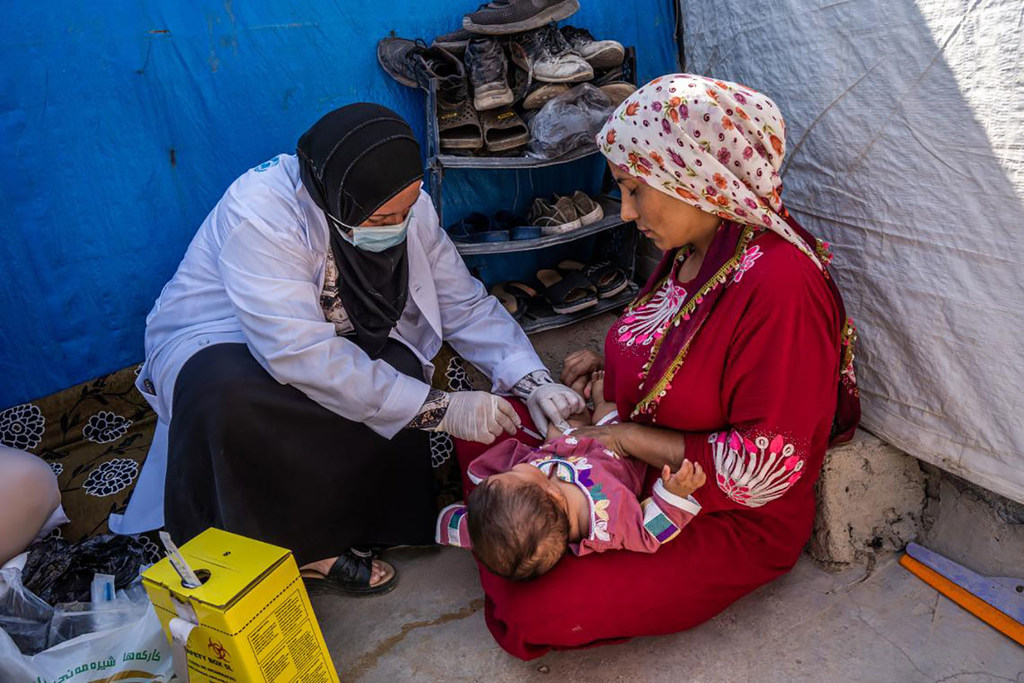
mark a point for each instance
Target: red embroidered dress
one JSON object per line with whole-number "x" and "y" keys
{"x": 756, "y": 393}
{"x": 751, "y": 364}
{"x": 754, "y": 399}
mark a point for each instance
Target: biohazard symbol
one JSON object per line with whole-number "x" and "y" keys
{"x": 219, "y": 650}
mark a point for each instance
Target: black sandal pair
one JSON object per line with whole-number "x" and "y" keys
{"x": 350, "y": 575}
{"x": 572, "y": 287}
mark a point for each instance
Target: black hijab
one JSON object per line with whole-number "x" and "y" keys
{"x": 352, "y": 161}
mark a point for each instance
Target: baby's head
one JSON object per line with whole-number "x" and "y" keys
{"x": 517, "y": 526}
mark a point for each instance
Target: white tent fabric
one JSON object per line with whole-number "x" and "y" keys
{"x": 906, "y": 150}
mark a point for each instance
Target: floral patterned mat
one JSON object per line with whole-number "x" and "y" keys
{"x": 96, "y": 436}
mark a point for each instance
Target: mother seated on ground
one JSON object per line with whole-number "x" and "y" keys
{"x": 737, "y": 354}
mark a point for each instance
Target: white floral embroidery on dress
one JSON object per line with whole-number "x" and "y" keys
{"x": 22, "y": 426}
{"x": 753, "y": 473}
{"x": 105, "y": 426}
{"x": 749, "y": 257}
{"x": 646, "y": 324}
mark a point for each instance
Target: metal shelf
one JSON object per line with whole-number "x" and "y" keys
{"x": 542, "y": 318}
{"x": 611, "y": 220}
{"x": 458, "y": 161}
{"x": 619, "y": 301}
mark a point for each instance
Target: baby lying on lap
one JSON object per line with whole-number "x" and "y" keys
{"x": 529, "y": 503}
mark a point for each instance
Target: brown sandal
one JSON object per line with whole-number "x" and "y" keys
{"x": 513, "y": 301}
{"x": 503, "y": 130}
{"x": 458, "y": 127}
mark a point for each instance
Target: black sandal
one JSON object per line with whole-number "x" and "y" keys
{"x": 350, "y": 575}
{"x": 608, "y": 278}
{"x": 568, "y": 292}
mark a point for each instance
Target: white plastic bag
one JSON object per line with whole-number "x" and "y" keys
{"x": 24, "y": 617}
{"x": 569, "y": 121}
{"x": 137, "y": 646}
{"x": 73, "y": 619}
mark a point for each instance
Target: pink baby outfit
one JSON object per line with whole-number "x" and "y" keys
{"x": 612, "y": 484}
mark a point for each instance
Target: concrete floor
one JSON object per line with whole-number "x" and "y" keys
{"x": 810, "y": 625}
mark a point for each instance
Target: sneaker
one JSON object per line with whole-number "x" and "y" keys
{"x": 395, "y": 57}
{"x": 476, "y": 227}
{"x": 614, "y": 84}
{"x": 587, "y": 210}
{"x": 519, "y": 79}
{"x": 600, "y": 54}
{"x": 488, "y": 74}
{"x": 540, "y": 93}
{"x": 413, "y": 64}
{"x": 519, "y": 227}
{"x": 437, "y": 63}
{"x": 554, "y": 219}
{"x": 548, "y": 57}
{"x": 501, "y": 17}
{"x": 455, "y": 42}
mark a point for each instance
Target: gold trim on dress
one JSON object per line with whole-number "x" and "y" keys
{"x": 719, "y": 278}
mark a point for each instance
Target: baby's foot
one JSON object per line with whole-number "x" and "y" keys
{"x": 597, "y": 387}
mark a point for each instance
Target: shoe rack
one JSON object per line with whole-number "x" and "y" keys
{"x": 614, "y": 239}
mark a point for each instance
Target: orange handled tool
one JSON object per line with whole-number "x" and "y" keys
{"x": 993, "y": 588}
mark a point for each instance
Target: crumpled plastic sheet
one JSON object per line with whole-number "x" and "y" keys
{"x": 58, "y": 571}
{"x": 568, "y": 121}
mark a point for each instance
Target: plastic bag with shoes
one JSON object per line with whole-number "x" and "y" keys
{"x": 569, "y": 121}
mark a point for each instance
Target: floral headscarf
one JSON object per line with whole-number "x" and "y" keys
{"x": 715, "y": 145}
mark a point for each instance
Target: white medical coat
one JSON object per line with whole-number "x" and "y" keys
{"x": 253, "y": 274}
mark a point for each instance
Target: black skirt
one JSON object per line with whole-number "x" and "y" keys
{"x": 258, "y": 458}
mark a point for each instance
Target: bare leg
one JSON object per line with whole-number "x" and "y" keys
{"x": 28, "y": 496}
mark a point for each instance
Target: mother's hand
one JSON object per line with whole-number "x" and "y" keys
{"x": 578, "y": 367}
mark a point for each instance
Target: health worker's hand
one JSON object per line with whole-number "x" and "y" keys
{"x": 553, "y": 403}
{"x": 478, "y": 416}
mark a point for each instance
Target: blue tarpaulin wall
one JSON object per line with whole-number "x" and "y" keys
{"x": 122, "y": 123}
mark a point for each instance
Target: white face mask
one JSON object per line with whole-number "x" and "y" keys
{"x": 375, "y": 239}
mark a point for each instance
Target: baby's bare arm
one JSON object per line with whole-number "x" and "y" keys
{"x": 578, "y": 420}
{"x": 602, "y": 410}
